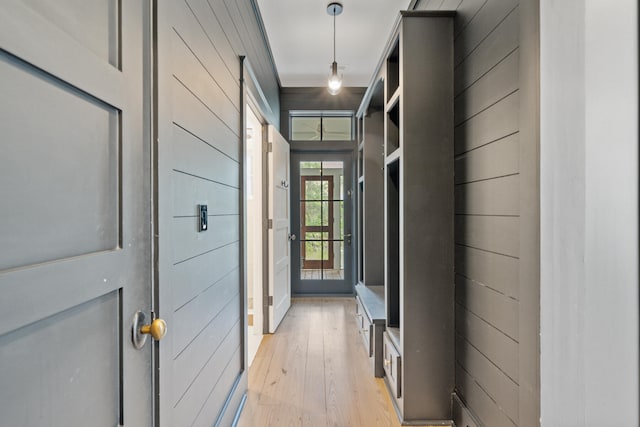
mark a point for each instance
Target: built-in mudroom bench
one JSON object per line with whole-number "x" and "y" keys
{"x": 370, "y": 315}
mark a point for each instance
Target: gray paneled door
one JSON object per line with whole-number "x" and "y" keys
{"x": 74, "y": 235}
{"x": 322, "y": 256}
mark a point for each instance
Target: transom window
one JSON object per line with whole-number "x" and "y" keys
{"x": 321, "y": 125}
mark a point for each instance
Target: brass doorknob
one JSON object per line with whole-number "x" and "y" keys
{"x": 157, "y": 329}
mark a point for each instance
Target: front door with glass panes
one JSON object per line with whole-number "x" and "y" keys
{"x": 321, "y": 216}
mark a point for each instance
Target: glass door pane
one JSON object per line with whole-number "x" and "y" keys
{"x": 321, "y": 220}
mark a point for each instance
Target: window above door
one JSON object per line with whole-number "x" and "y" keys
{"x": 321, "y": 125}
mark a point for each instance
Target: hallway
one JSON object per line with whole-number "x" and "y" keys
{"x": 313, "y": 372}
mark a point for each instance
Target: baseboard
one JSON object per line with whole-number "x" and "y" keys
{"x": 403, "y": 422}
{"x": 239, "y": 411}
{"x": 230, "y": 412}
{"x": 462, "y": 417}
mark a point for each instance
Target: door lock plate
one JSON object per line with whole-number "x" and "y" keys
{"x": 137, "y": 338}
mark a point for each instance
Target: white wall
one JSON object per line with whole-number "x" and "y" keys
{"x": 589, "y": 212}
{"x": 255, "y": 255}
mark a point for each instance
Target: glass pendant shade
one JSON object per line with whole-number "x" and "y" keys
{"x": 334, "y": 83}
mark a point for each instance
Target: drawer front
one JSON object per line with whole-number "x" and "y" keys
{"x": 392, "y": 365}
{"x": 365, "y": 327}
{"x": 367, "y": 336}
{"x": 360, "y": 314}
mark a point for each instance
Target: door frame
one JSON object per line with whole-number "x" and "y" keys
{"x": 253, "y": 96}
{"x": 250, "y": 106}
{"x": 343, "y": 287}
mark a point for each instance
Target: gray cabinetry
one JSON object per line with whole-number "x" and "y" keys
{"x": 419, "y": 199}
{"x": 371, "y": 186}
{"x": 370, "y": 291}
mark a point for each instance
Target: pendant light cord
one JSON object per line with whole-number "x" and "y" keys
{"x": 334, "y": 33}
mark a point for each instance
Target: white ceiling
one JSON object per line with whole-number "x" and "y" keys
{"x": 300, "y": 33}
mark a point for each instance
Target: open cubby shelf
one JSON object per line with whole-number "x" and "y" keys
{"x": 393, "y": 128}
{"x": 392, "y": 252}
{"x": 393, "y": 70}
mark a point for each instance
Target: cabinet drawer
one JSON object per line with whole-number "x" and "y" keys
{"x": 365, "y": 327}
{"x": 392, "y": 365}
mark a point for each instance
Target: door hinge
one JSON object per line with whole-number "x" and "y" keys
{"x": 270, "y": 147}
{"x": 270, "y": 300}
{"x": 270, "y": 224}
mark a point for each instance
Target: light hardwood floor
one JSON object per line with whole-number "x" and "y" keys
{"x": 314, "y": 371}
{"x": 327, "y": 274}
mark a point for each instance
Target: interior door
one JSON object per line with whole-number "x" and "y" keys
{"x": 279, "y": 236}
{"x": 321, "y": 218}
{"x": 74, "y": 203}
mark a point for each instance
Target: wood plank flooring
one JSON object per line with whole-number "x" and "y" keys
{"x": 327, "y": 274}
{"x": 314, "y": 371}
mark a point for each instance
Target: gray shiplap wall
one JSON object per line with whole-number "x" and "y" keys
{"x": 488, "y": 228}
{"x": 200, "y": 161}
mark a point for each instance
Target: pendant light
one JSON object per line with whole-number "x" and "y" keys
{"x": 335, "y": 81}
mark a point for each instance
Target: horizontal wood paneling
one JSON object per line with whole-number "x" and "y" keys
{"x": 192, "y": 318}
{"x": 242, "y": 28}
{"x": 193, "y": 156}
{"x": 483, "y": 23}
{"x": 501, "y": 81}
{"x": 190, "y": 71}
{"x": 188, "y": 242}
{"x": 502, "y": 41}
{"x": 225, "y": 382}
{"x": 467, "y": 10}
{"x": 488, "y": 188}
{"x": 475, "y": 397}
{"x": 497, "y": 234}
{"x": 489, "y": 377}
{"x": 189, "y": 363}
{"x": 496, "y": 159}
{"x": 227, "y": 24}
{"x": 498, "y": 196}
{"x": 189, "y": 191}
{"x": 450, "y": 4}
{"x": 225, "y": 357}
{"x": 192, "y": 34}
{"x": 234, "y": 7}
{"x": 496, "y": 271}
{"x": 253, "y": 40}
{"x": 200, "y": 153}
{"x": 491, "y": 342}
{"x": 497, "y": 121}
{"x": 218, "y": 39}
{"x": 192, "y": 114}
{"x": 195, "y": 275}
{"x": 495, "y": 308}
